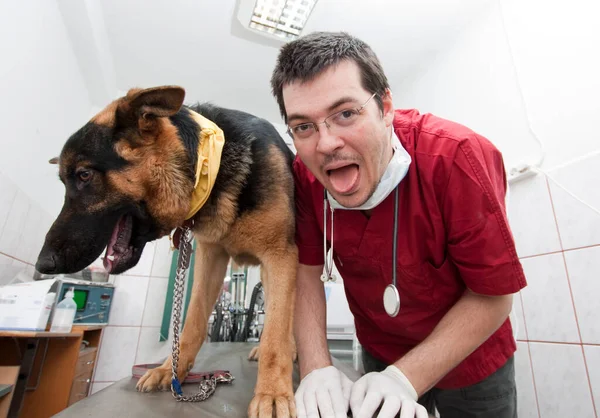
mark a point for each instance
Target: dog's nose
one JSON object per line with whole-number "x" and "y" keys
{"x": 46, "y": 264}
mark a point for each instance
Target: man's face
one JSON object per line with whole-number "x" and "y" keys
{"x": 348, "y": 160}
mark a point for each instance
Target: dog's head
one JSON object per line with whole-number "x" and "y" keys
{"x": 127, "y": 180}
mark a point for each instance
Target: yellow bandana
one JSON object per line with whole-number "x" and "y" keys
{"x": 211, "y": 140}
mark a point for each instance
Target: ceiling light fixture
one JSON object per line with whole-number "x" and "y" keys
{"x": 281, "y": 19}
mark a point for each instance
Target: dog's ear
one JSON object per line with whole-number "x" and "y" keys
{"x": 148, "y": 104}
{"x": 53, "y": 160}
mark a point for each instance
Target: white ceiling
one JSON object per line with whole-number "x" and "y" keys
{"x": 200, "y": 44}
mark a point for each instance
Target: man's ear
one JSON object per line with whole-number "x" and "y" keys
{"x": 148, "y": 104}
{"x": 388, "y": 107}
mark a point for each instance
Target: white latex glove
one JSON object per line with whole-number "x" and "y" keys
{"x": 325, "y": 391}
{"x": 390, "y": 386}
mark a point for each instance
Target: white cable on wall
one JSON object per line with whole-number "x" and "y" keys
{"x": 520, "y": 88}
{"x": 537, "y": 166}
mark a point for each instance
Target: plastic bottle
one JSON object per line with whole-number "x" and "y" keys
{"x": 64, "y": 313}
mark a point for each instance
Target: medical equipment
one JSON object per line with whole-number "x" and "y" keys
{"x": 93, "y": 299}
{"x": 391, "y": 297}
{"x": 231, "y": 320}
{"x": 29, "y": 305}
{"x": 327, "y": 275}
{"x": 393, "y": 175}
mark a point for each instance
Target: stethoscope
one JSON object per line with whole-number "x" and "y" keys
{"x": 391, "y": 297}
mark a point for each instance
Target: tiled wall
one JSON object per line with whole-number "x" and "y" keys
{"x": 23, "y": 225}
{"x": 558, "y": 241}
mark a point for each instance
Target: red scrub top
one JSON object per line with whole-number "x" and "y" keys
{"x": 453, "y": 234}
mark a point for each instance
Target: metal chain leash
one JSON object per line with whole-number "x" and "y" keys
{"x": 208, "y": 386}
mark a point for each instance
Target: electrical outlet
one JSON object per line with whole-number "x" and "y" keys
{"x": 521, "y": 172}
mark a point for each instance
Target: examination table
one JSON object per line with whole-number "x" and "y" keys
{"x": 122, "y": 400}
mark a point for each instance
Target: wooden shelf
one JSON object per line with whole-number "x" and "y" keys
{"x": 39, "y": 334}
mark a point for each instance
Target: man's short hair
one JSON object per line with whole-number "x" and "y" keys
{"x": 307, "y": 57}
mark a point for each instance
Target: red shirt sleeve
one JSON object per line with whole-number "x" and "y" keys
{"x": 480, "y": 241}
{"x": 309, "y": 237}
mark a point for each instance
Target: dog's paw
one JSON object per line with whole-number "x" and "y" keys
{"x": 155, "y": 379}
{"x": 253, "y": 355}
{"x": 159, "y": 378}
{"x": 263, "y": 405}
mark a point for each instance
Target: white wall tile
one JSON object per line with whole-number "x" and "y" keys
{"x": 15, "y": 222}
{"x": 526, "y": 402}
{"x": 144, "y": 266}
{"x": 30, "y": 271}
{"x": 8, "y": 192}
{"x": 5, "y": 261}
{"x": 98, "y": 386}
{"x": 579, "y": 225}
{"x": 155, "y": 302}
{"x": 592, "y": 357}
{"x": 584, "y": 272}
{"x": 6, "y": 269}
{"x": 12, "y": 268}
{"x": 129, "y": 300}
{"x": 19, "y": 264}
{"x": 163, "y": 256}
{"x": 531, "y": 217}
{"x": 561, "y": 380}
{"x": 547, "y": 300}
{"x": 517, "y": 318}
{"x": 45, "y": 222}
{"x": 117, "y": 353}
{"x": 150, "y": 349}
{"x": 30, "y": 244}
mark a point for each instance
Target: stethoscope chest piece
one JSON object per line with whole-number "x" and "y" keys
{"x": 391, "y": 300}
{"x": 328, "y": 278}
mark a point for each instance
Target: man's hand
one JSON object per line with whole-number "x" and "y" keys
{"x": 390, "y": 387}
{"x": 325, "y": 391}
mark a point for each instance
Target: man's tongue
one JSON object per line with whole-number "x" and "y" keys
{"x": 343, "y": 179}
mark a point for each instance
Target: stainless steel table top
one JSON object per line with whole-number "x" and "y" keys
{"x": 122, "y": 400}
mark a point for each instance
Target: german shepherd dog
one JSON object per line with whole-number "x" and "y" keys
{"x": 129, "y": 174}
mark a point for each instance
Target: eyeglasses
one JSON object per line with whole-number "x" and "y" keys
{"x": 336, "y": 122}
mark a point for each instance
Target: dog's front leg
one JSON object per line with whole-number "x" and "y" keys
{"x": 209, "y": 272}
{"x": 274, "y": 389}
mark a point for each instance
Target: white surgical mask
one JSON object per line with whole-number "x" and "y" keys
{"x": 393, "y": 175}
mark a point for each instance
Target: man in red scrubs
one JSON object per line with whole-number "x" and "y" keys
{"x": 430, "y": 188}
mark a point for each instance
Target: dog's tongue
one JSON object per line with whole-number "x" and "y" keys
{"x": 118, "y": 245}
{"x": 343, "y": 179}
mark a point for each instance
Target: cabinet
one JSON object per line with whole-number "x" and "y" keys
{"x": 55, "y": 369}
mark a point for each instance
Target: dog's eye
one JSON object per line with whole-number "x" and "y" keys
{"x": 84, "y": 175}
